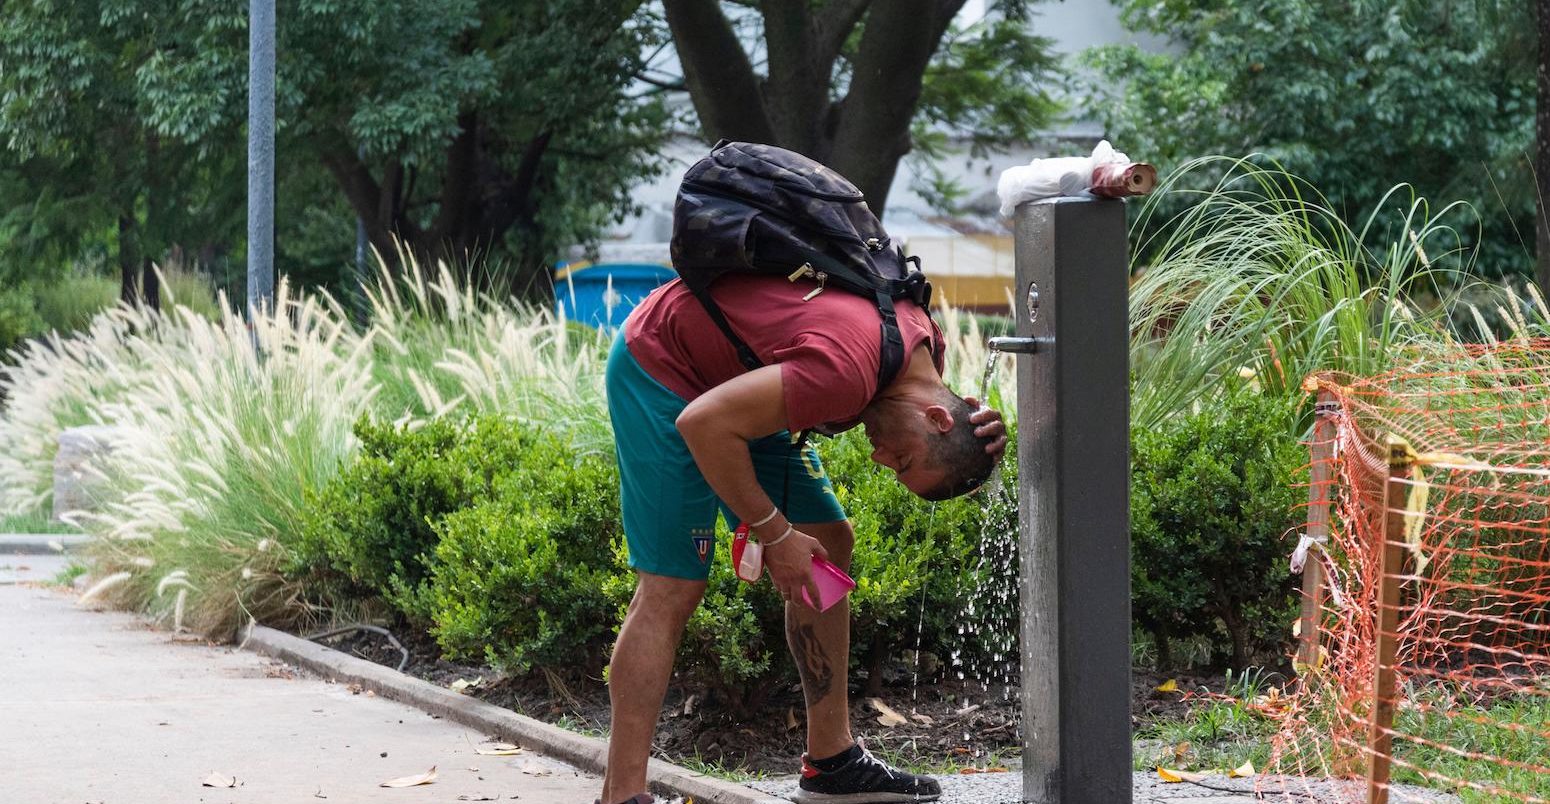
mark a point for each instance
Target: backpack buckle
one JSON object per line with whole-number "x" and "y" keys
{"x": 916, "y": 287}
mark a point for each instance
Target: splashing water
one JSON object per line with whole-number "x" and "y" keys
{"x": 987, "y": 655}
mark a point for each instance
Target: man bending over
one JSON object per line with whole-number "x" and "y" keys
{"x": 697, "y": 432}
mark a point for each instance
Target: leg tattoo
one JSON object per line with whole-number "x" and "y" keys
{"x": 817, "y": 674}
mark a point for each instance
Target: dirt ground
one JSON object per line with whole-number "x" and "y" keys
{"x": 948, "y": 725}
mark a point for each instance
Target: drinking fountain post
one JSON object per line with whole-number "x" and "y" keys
{"x": 1074, "y": 516}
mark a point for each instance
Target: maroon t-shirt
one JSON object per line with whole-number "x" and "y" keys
{"x": 828, "y": 347}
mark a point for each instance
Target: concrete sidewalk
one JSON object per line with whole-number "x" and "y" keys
{"x": 100, "y": 707}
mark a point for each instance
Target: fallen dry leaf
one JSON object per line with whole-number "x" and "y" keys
{"x": 535, "y": 769}
{"x": 791, "y": 719}
{"x": 689, "y": 705}
{"x": 1178, "y": 775}
{"x": 411, "y": 781}
{"x": 462, "y": 685}
{"x": 1270, "y": 704}
{"x": 1246, "y": 769}
{"x": 1171, "y": 685}
{"x": 968, "y": 771}
{"x": 1180, "y": 750}
{"x": 924, "y": 719}
{"x": 498, "y": 750}
{"x": 886, "y": 717}
{"x": 218, "y": 780}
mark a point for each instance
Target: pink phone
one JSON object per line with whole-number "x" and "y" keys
{"x": 833, "y": 584}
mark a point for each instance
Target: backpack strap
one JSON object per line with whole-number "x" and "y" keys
{"x": 892, "y": 357}
{"x": 745, "y": 354}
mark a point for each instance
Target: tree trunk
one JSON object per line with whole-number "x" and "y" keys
{"x": 1164, "y": 647}
{"x": 1542, "y": 161}
{"x": 479, "y": 204}
{"x": 876, "y": 657}
{"x": 721, "y": 81}
{"x": 129, "y": 268}
{"x": 796, "y": 93}
{"x": 863, "y": 136}
{"x": 1238, "y": 629}
{"x": 890, "y": 67}
{"x": 366, "y": 198}
{"x": 150, "y": 284}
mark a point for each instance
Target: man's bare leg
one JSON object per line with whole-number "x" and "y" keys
{"x": 820, "y": 644}
{"x": 638, "y": 675}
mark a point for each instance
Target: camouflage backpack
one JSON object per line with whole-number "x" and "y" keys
{"x": 751, "y": 208}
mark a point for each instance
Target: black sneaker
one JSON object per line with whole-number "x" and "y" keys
{"x": 864, "y": 779}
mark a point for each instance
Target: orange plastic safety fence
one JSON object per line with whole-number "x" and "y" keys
{"x": 1437, "y": 482}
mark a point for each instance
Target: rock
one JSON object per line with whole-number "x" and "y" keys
{"x": 73, "y": 482}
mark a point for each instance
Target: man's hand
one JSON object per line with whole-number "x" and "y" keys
{"x": 791, "y": 566}
{"x": 988, "y": 425}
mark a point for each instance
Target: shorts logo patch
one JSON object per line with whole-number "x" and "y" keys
{"x": 702, "y": 545}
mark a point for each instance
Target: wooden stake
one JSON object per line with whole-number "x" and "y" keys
{"x": 1320, "y": 472}
{"x": 1379, "y": 739}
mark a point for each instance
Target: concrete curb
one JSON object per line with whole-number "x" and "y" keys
{"x": 586, "y": 753}
{"x": 40, "y": 543}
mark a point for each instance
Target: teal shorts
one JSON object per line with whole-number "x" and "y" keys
{"x": 669, "y": 509}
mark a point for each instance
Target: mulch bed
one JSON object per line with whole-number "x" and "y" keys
{"x": 949, "y": 723}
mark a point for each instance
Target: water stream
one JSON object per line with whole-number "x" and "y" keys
{"x": 920, "y": 623}
{"x": 986, "y": 655}
{"x": 990, "y": 373}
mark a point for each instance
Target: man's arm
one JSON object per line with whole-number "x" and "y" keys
{"x": 717, "y": 427}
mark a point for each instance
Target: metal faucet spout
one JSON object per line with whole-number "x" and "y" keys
{"x": 1025, "y": 346}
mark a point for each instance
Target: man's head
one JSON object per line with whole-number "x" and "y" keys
{"x": 926, "y": 438}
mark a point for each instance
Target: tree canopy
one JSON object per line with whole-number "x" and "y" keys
{"x": 462, "y": 127}
{"x": 1356, "y": 97}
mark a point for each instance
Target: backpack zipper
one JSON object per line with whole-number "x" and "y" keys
{"x": 806, "y": 270}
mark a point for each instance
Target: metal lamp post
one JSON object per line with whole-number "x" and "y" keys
{"x": 261, "y": 75}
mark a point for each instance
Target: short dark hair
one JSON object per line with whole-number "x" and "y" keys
{"x": 959, "y": 452}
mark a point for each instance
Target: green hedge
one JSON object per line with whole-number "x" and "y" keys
{"x": 372, "y": 530}
{"x": 506, "y": 545}
{"x": 1213, "y": 520}
{"x": 523, "y": 579}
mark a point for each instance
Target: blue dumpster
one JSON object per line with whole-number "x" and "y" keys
{"x": 602, "y": 294}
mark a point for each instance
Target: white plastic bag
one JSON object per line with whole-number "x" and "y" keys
{"x": 1048, "y": 178}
